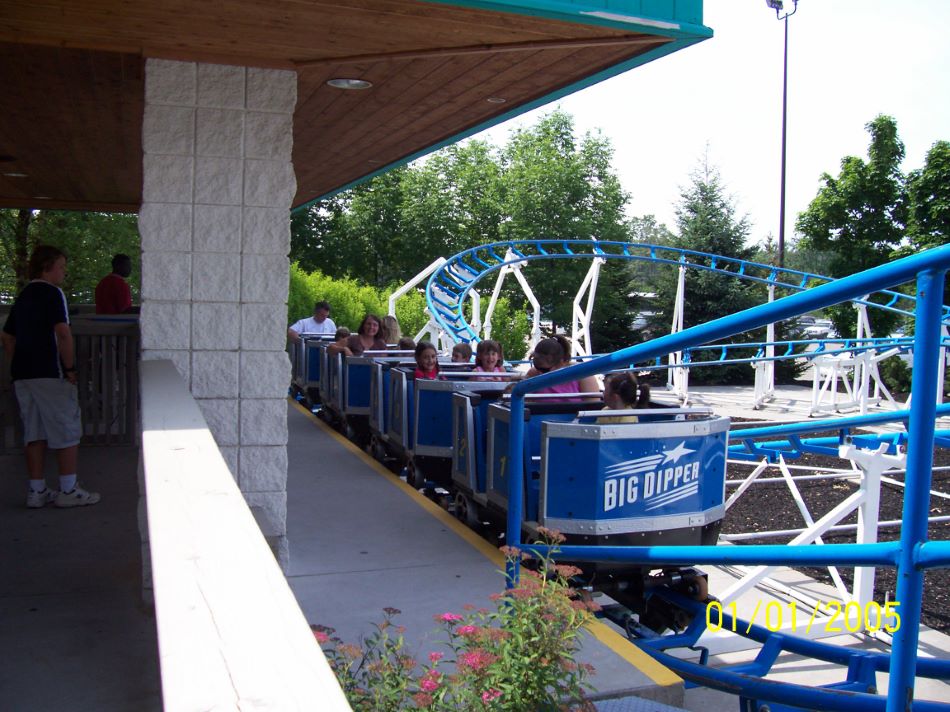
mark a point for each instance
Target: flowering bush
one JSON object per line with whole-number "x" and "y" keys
{"x": 517, "y": 657}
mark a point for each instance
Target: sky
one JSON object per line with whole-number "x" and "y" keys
{"x": 849, "y": 60}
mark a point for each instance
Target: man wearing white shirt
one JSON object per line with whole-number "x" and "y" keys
{"x": 319, "y": 323}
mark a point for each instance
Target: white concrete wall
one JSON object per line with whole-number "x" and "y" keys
{"x": 215, "y": 226}
{"x": 231, "y": 635}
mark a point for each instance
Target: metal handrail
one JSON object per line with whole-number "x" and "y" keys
{"x": 911, "y": 554}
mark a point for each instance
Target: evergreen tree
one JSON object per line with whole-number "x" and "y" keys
{"x": 707, "y": 222}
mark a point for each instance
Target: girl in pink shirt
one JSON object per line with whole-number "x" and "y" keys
{"x": 488, "y": 359}
{"x": 427, "y": 361}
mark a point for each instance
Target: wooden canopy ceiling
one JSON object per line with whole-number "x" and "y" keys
{"x": 72, "y": 77}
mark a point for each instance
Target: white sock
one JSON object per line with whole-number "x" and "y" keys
{"x": 67, "y": 483}
{"x": 37, "y": 485}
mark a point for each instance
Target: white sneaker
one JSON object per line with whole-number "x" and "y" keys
{"x": 37, "y": 500}
{"x": 77, "y": 498}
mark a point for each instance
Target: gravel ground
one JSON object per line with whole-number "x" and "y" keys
{"x": 770, "y": 506}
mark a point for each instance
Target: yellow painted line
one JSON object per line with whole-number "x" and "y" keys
{"x": 659, "y": 674}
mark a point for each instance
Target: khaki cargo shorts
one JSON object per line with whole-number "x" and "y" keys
{"x": 49, "y": 409}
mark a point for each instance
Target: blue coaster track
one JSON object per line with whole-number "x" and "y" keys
{"x": 911, "y": 555}
{"x": 451, "y": 283}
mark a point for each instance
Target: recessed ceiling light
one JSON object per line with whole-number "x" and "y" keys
{"x": 14, "y": 174}
{"x": 349, "y": 83}
{"x": 496, "y": 100}
{"x": 41, "y": 197}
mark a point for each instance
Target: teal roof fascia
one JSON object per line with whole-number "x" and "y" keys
{"x": 668, "y": 48}
{"x": 668, "y": 18}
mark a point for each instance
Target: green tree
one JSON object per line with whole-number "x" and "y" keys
{"x": 88, "y": 239}
{"x": 860, "y": 216}
{"x": 543, "y": 184}
{"x": 707, "y": 222}
{"x": 452, "y": 202}
{"x": 557, "y": 188}
{"x": 929, "y": 192}
{"x": 318, "y": 236}
{"x": 15, "y": 247}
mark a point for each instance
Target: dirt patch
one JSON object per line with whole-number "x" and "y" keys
{"x": 770, "y": 506}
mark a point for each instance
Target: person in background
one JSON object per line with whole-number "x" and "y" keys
{"x": 366, "y": 338}
{"x": 588, "y": 384}
{"x": 461, "y": 353}
{"x": 391, "y": 333}
{"x": 548, "y": 356}
{"x": 622, "y": 391}
{"x": 339, "y": 340}
{"x": 406, "y": 344}
{"x": 489, "y": 359}
{"x": 39, "y": 348}
{"x": 113, "y": 295}
{"x": 319, "y": 323}
{"x": 427, "y": 361}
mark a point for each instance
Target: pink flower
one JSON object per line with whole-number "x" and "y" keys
{"x": 490, "y": 695}
{"x": 428, "y": 685}
{"x": 467, "y": 630}
{"x": 422, "y": 699}
{"x": 321, "y": 636}
{"x": 449, "y": 618}
{"x": 476, "y": 660}
{"x": 435, "y": 657}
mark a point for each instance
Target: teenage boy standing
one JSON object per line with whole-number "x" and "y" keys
{"x": 39, "y": 347}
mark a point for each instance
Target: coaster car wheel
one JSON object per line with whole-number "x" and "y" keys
{"x": 414, "y": 475}
{"x": 466, "y": 510}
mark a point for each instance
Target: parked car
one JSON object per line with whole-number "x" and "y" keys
{"x": 820, "y": 329}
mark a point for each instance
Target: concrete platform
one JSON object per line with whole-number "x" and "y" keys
{"x": 73, "y": 632}
{"x": 361, "y": 540}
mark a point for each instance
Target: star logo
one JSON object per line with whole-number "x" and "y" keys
{"x": 676, "y": 453}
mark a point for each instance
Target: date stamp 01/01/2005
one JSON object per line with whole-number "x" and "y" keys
{"x": 827, "y": 616}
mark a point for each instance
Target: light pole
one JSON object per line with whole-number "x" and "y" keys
{"x": 778, "y": 6}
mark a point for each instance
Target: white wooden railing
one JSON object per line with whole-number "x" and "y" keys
{"x": 231, "y": 635}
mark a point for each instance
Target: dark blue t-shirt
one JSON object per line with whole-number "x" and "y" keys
{"x": 35, "y": 313}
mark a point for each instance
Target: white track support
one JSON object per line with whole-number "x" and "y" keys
{"x": 765, "y": 370}
{"x": 677, "y": 376}
{"x": 809, "y": 521}
{"x": 759, "y": 469}
{"x": 476, "y": 322}
{"x": 862, "y": 373}
{"x": 432, "y": 330}
{"x": 827, "y": 372}
{"x": 873, "y": 464}
{"x": 858, "y": 373}
{"x": 394, "y": 297}
{"x": 535, "y": 306}
{"x": 580, "y": 319}
{"x": 757, "y": 573}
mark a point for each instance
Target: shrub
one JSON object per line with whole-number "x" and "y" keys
{"x": 895, "y": 374}
{"x": 349, "y": 300}
{"x": 517, "y": 657}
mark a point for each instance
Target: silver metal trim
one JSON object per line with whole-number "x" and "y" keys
{"x": 634, "y": 525}
{"x": 635, "y": 431}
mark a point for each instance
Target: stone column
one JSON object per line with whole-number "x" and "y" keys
{"x": 215, "y": 226}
